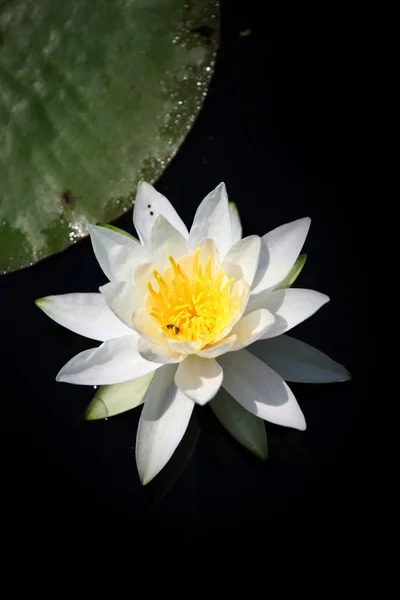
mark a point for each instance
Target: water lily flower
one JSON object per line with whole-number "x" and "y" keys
{"x": 186, "y": 315}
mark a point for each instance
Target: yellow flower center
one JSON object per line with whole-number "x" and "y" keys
{"x": 194, "y": 302}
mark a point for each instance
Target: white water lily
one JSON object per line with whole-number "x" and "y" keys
{"x": 198, "y": 310}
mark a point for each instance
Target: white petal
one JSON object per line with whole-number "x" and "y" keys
{"x": 114, "y": 399}
{"x": 86, "y": 314}
{"x": 236, "y": 224}
{"x": 184, "y": 347}
{"x": 218, "y": 348}
{"x": 260, "y": 390}
{"x": 148, "y": 205}
{"x": 289, "y": 307}
{"x": 121, "y": 298}
{"x": 147, "y": 327}
{"x": 242, "y": 259}
{"x": 279, "y": 252}
{"x": 117, "y": 254}
{"x": 296, "y": 361}
{"x": 245, "y": 427}
{"x": 213, "y": 220}
{"x": 158, "y": 353}
{"x": 252, "y": 327}
{"x": 165, "y": 240}
{"x": 208, "y": 248}
{"x": 199, "y": 378}
{"x": 143, "y": 274}
{"x": 112, "y": 362}
{"x": 163, "y": 422}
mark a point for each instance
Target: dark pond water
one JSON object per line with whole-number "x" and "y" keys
{"x": 284, "y": 126}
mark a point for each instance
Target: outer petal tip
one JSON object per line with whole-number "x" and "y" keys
{"x": 343, "y": 375}
{"x": 96, "y": 410}
{"x": 325, "y": 297}
{"x": 60, "y": 376}
{"x": 298, "y": 421}
{"x": 307, "y": 223}
{"x": 261, "y": 453}
{"x": 40, "y": 302}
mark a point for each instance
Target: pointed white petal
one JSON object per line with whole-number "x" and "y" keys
{"x": 245, "y": 427}
{"x": 278, "y": 253}
{"x": 289, "y": 307}
{"x": 213, "y": 220}
{"x": 86, "y": 314}
{"x": 163, "y": 422}
{"x": 121, "y": 298}
{"x": 218, "y": 348}
{"x": 252, "y": 327}
{"x": 199, "y": 378}
{"x": 112, "y": 362}
{"x": 114, "y": 399}
{"x": 148, "y": 205}
{"x": 117, "y": 254}
{"x": 260, "y": 390}
{"x": 242, "y": 259}
{"x": 165, "y": 240}
{"x": 296, "y": 361}
{"x": 236, "y": 224}
{"x": 158, "y": 353}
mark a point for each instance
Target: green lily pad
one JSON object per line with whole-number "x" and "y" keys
{"x": 93, "y": 98}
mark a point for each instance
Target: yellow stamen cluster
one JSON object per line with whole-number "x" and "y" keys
{"x": 193, "y": 308}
